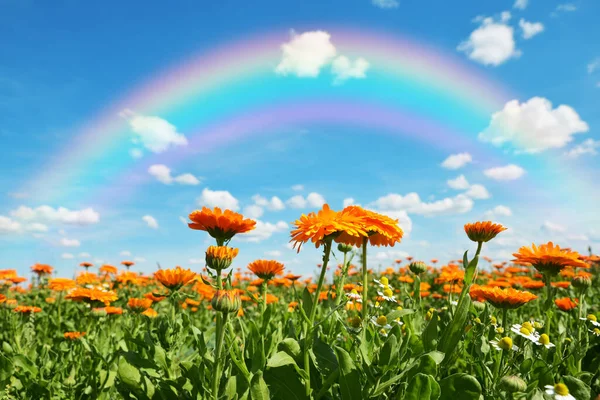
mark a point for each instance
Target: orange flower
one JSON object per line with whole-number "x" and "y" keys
{"x": 42, "y": 269}
{"x": 483, "y": 231}
{"x": 113, "y": 310}
{"x": 174, "y": 278}
{"x": 27, "y": 309}
{"x": 266, "y": 269}
{"x": 151, "y": 313}
{"x": 222, "y": 225}
{"x": 562, "y": 284}
{"x": 74, "y": 335}
{"x": 108, "y": 269}
{"x": 6, "y": 274}
{"x": 548, "y": 258}
{"x": 154, "y": 297}
{"x": 126, "y": 277}
{"x": 61, "y": 284}
{"x": 87, "y": 278}
{"x": 220, "y": 257}
{"x": 127, "y": 263}
{"x": 86, "y": 264}
{"x": 17, "y": 279}
{"x": 292, "y": 277}
{"x": 533, "y": 285}
{"x": 381, "y": 229}
{"x": 501, "y": 298}
{"x": 566, "y": 304}
{"x": 50, "y": 300}
{"x": 138, "y": 305}
{"x": 2, "y": 298}
{"x": 92, "y": 295}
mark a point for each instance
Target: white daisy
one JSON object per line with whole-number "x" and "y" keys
{"x": 526, "y": 332}
{"x": 381, "y": 322}
{"x": 505, "y": 343}
{"x": 560, "y": 391}
{"x": 383, "y": 283}
{"x": 595, "y": 331}
{"x": 385, "y": 296}
{"x": 354, "y": 296}
{"x": 592, "y": 318}
{"x": 544, "y": 340}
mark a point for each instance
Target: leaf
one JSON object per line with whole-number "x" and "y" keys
{"x": 306, "y": 301}
{"x": 452, "y": 334}
{"x": 460, "y": 386}
{"x": 258, "y": 387}
{"x": 430, "y": 333}
{"x": 399, "y": 314}
{"x": 422, "y": 387}
{"x": 542, "y": 374}
{"x": 325, "y": 359}
{"x": 290, "y": 346}
{"x": 349, "y": 379}
{"x": 280, "y": 359}
{"x": 426, "y": 364}
{"x": 160, "y": 357}
{"x": 21, "y": 361}
{"x": 129, "y": 374}
{"x": 388, "y": 354}
{"x": 577, "y": 388}
{"x": 285, "y": 383}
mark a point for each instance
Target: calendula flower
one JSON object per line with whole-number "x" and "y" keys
{"x": 27, "y": 309}
{"x": 222, "y": 225}
{"x": 138, "y": 305}
{"x": 548, "y": 258}
{"x": 381, "y": 230}
{"x": 61, "y": 284}
{"x": 505, "y": 344}
{"x": 381, "y": 322}
{"x": 17, "y": 279}
{"x": 6, "y": 274}
{"x": 560, "y": 391}
{"x": 292, "y": 277}
{"x": 42, "y": 269}
{"x": 86, "y": 264}
{"x": 113, "y": 310}
{"x": 502, "y": 298}
{"x": 2, "y": 298}
{"x": 485, "y": 231}
{"x": 220, "y": 257}
{"x": 108, "y": 269}
{"x": 266, "y": 269}
{"x": 175, "y": 278}
{"x": 73, "y": 335}
{"x": 566, "y": 304}
{"x": 226, "y": 301}
{"x": 150, "y": 312}
{"x": 128, "y": 277}
{"x": 154, "y": 297}
{"x": 92, "y": 295}
{"x": 127, "y": 263}
{"x": 87, "y": 278}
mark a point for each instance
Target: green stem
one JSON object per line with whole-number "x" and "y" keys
{"x": 365, "y": 280}
{"x": 263, "y": 293}
{"x": 341, "y": 281}
{"x": 548, "y": 305}
{"x": 218, "y": 348}
{"x": 504, "y": 321}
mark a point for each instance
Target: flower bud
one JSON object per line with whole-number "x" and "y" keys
{"x": 479, "y": 306}
{"x": 581, "y": 282}
{"x": 344, "y": 248}
{"x": 355, "y": 322}
{"x": 512, "y": 383}
{"x": 220, "y": 257}
{"x": 417, "y": 267}
{"x": 226, "y": 301}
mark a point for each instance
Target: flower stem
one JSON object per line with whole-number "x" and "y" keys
{"x": 218, "y": 348}
{"x": 548, "y": 305}
{"x": 365, "y": 280}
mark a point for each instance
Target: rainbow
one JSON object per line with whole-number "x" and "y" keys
{"x": 232, "y": 93}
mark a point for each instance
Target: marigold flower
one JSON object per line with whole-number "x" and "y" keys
{"x": 138, "y": 305}
{"x": 2, "y": 298}
{"x": 266, "y": 269}
{"x": 566, "y": 304}
{"x": 61, "y": 284}
{"x": 502, "y": 298}
{"x": 127, "y": 263}
{"x": 226, "y": 301}
{"x": 533, "y": 285}
{"x": 483, "y": 231}
{"x": 92, "y": 295}
{"x": 174, "y": 278}
{"x": 113, "y": 310}
{"x": 42, "y": 269}
{"x": 74, "y": 335}
{"x": 17, "y": 279}
{"x": 220, "y": 257}
{"x": 86, "y": 264}
{"x": 87, "y": 278}
{"x": 292, "y": 277}
{"x": 151, "y": 313}
{"x": 222, "y": 225}
{"x": 6, "y": 274}
{"x": 154, "y": 297}
{"x": 548, "y": 258}
{"x": 381, "y": 229}
{"x": 108, "y": 269}
{"x": 127, "y": 277}
{"x": 27, "y": 309}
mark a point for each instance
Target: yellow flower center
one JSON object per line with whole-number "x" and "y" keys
{"x": 388, "y": 293}
{"x": 544, "y": 339}
{"x": 383, "y": 332}
{"x": 376, "y": 304}
{"x": 384, "y": 281}
{"x": 477, "y": 320}
{"x": 561, "y": 389}
{"x": 353, "y": 291}
{"x": 528, "y": 326}
{"x": 493, "y": 320}
{"x": 597, "y": 331}
{"x": 500, "y": 329}
{"x": 537, "y": 325}
{"x": 592, "y": 317}
{"x": 525, "y": 331}
{"x": 381, "y": 320}
{"x": 505, "y": 343}
{"x": 399, "y": 308}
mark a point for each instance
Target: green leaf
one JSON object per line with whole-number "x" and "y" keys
{"x": 542, "y": 374}
{"x": 306, "y": 301}
{"x": 452, "y": 334}
{"x": 470, "y": 270}
{"x": 349, "y": 379}
{"x": 399, "y": 314}
{"x": 290, "y": 346}
{"x": 258, "y": 387}
{"x": 422, "y": 387}
{"x": 280, "y": 359}
{"x": 325, "y": 359}
{"x": 23, "y": 362}
{"x": 110, "y": 379}
{"x": 129, "y": 374}
{"x": 160, "y": 357}
{"x": 577, "y": 388}
{"x": 430, "y": 333}
{"x": 285, "y": 383}
{"x": 7, "y": 348}
{"x": 460, "y": 386}
{"x": 388, "y": 354}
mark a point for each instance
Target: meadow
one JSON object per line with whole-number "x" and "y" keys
{"x": 473, "y": 328}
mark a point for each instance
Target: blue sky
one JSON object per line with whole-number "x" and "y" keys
{"x": 531, "y": 163}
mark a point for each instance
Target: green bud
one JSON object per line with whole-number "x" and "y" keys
{"x": 512, "y": 383}
{"x": 417, "y": 267}
{"x": 344, "y": 248}
{"x": 226, "y": 301}
{"x": 581, "y": 282}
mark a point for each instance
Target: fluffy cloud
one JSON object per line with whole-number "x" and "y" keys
{"x": 533, "y": 126}
{"x": 458, "y": 183}
{"x": 163, "y": 174}
{"x": 84, "y": 255}
{"x": 507, "y": 173}
{"x": 150, "y": 221}
{"x": 69, "y": 242}
{"x": 553, "y": 227}
{"x": 273, "y": 204}
{"x": 385, "y": 4}
{"x": 589, "y": 146}
{"x": 456, "y": 161}
{"x": 253, "y": 211}
{"x": 566, "y": 7}
{"x": 498, "y": 211}
{"x": 477, "y": 191}
{"x": 8, "y": 225}
{"x": 520, "y": 4}
{"x": 312, "y": 200}
{"x": 593, "y": 65}
{"x": 273, "y": 253}
{"x": 492, "y": 43}
{"x": 263, "y": 231}
{"x": 348, "y": 202}
{"x": 47, "y": 214}
{"x": 218, "y": 198}
{"x": 412, "y": 203}
{"x": 530, "y": 29}
{"x": 67, "y": 256}
{"x": 154, "y": 133}
{"x": 125, "y": 253}
{"x": 390, "y": 255}
{"x": 306, "y": 54}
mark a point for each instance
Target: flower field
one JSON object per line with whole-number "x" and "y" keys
{"x": 474, "y": 328}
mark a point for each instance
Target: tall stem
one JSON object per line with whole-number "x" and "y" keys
{"x": 340, "y": 284}
{"x": 365, "y": 280}
{"x": 549, "y": 296}
{"x": 219, "y": 346}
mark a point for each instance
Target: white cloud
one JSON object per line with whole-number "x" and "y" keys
{"x": 412, "y": 203}
{"x": 343, "y": 68}
{"x": 139, "y": 259}
{"x": 567, "y": 7}
{"x": 163, "y": 174}
{"x": 70, "y": 242}
{"x": 593, "y": 65}
{"x": 589, "y": 146}
{"x": 492, "y": 43}
{"x": 456, "y": 161}
{"x": 8, "y": 225}
{"x": 84, "y": 255}
{"x": 296, "y": 202}
{"x": 125, "y": 253}
{"x": 578, "y": 237}
{"x": 498, "y": 211}
{"x": 533, "y": 126}
{"x": 273, "y": 204}
{"x": 390, "y": 255}
{"x": 263, "y": 231}
{"x": 218, "y": 198}
{"x": 348, "y": 201}
{"x": 507, "y": 173}
{"x": 150, "y": 221}
{"x": 253, "y": 211}
{"x": 63, "y": 215}
{"x": 136, "y": 153}
{"x": 298, "y": 188}
{"x": 478, "y": 192}
{"x": 154, "y": 133}
{"x": 306, "y": 53}
{"x": 458, "y": 183}
{"x": 386, "y": 4}
{"x": 520, "y": 4}
{"x": 553, "y": 227}
{"x": 273, "y": 253}
{"x": 312, "y": 200}
{"x": 36, "y": 227}
{"x": 530, "y": 29}
{"x": 315, "y": 199}
{"x": 67, "y": 256}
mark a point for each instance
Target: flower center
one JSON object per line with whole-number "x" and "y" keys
{"x": 592, "y": 317}
{"x": 381, "y": 320}
{"x": 505, "y": 343}
{"x": 525, "y": 331}
{"x": 528, "y": 326}
{"x": 561, "y": 389}
{"x": 544, "y": 339}
{"x": 388, "y": 293}
{"x": 384, "y": 281}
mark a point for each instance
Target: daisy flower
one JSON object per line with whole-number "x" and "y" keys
{"x": 592, "y": 318}
{"x": 381, "y": 322}
{"x": 383, "y": 332}
{"x": 387, "y": 294}
{"x": 505, "y": 343}
{"x": 376, "y": 305}
{"x": 383, "y": 283}
{"x": 354, "y": 296}
{"x": 595, "y": 331}
{"x": 526, "y": 330}
{"x": 560, "y": 391}
{"x": 544, "y": 340}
